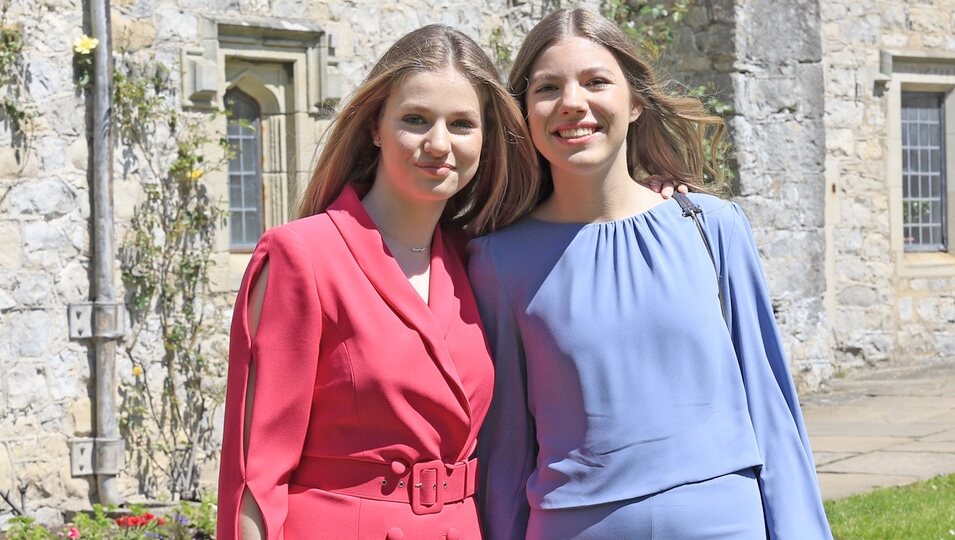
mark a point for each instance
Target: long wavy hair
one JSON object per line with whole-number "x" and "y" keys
{"x": 506, "y": 183}
{"x": 668, "y": 137}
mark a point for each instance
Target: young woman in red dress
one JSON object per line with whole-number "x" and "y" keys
{"x": 359, "y": 374}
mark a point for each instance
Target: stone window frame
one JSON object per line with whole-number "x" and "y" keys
{"x": 268, "y": 84}
{"x": 918, "y": 71}
{"x": 295, "y": 112}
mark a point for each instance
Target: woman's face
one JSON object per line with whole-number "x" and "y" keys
{"x": 579, "y": 106}
{"x": 430, "y": 132}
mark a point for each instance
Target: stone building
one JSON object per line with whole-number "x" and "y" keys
{"x": 843, "y": 113}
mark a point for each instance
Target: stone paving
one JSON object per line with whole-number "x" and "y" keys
{"x": 888, "y": 427}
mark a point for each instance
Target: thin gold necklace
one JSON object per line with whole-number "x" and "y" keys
{"x": 421, "y": 249}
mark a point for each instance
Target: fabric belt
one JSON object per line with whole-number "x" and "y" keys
{"x": 427, "y": 486}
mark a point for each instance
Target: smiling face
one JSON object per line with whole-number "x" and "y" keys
{"x": 579, "y": 107}
{"x": 430, "y": 132}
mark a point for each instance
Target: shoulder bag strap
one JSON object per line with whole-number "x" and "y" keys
{"x": 691, "y": 210}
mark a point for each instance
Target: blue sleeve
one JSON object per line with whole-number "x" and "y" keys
{"x": 507, "y": 447}
{"x": 787, "y": 480}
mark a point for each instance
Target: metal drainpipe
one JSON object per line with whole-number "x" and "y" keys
{"x": 107, "y": 314}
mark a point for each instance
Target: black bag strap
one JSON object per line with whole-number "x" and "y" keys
{"x": 691, "y": 210}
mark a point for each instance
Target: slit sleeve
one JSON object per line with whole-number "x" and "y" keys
{"x": 285, "y": 351}
{"x": 790, "y": 491}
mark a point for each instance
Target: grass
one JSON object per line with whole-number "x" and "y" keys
{"x": 922, "y": 511}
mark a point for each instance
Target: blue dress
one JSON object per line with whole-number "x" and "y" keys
{"x": 617, "y": 376}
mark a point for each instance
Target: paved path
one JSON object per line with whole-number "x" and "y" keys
{"x": 882, "y": 428}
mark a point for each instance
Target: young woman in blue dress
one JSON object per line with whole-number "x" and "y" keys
{"x": 641, "y": 388}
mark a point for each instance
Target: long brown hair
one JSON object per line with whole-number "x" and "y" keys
{"x": 667, "y": 139}
{"x": 506, "y": 183}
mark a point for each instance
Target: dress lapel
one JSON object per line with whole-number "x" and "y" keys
{"x": 431, "y": 321}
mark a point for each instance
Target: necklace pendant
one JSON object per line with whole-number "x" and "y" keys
{"x": 417, "y": 249}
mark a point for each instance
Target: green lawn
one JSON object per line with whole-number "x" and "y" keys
{"x": 923, "y": 511}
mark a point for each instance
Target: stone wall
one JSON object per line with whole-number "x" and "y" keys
{"x": 44, "y": 246}
{"x": 46, "y": 388}
{"x": 886, "y": 306}
{"x": 775, "y": 86}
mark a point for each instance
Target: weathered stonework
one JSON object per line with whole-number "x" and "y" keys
{"x": 883, "y": 307}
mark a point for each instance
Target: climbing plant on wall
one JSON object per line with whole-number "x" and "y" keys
{"x": 653, "y": 25}
{"x": 15, "y": 110}
{"x": 166, "y": 415}
{"x": 166, "y": 261}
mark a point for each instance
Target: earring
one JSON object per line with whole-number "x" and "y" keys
{"x": 376, "y": 141}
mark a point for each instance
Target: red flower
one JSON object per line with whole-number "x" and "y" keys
{"x": 139, "y": 521}
{"x": 73, "y": 533}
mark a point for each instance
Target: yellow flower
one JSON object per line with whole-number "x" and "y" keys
{"x": 85, "y": 44}
{"x": 196, "y": 174}
{"x": 137, "y": 371}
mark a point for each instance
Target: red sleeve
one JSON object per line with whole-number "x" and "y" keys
{"x": 285, "y": 352}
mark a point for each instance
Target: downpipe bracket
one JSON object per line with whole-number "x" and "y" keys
{"x": 91, "y": 320}
{"x": 97, "y": 456}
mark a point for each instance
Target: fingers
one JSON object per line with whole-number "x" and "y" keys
{"x": 665, "y": 187}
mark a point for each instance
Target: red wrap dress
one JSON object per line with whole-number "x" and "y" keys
{"x": 367, "y": 400}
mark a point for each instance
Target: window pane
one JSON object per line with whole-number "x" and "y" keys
{"x": 923, "y": 181}
{"x": 235, "y": 228}
{"x": 250, "y": 156}
{"x": 245, "y": 177}
{"x": 250, "y": 190}
{"x": 251, "y": 227}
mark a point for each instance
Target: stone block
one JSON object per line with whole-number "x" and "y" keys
{"x": 79, "y": 153}
{"x": 758, "y": 24}
{"x": 65, "y": 376}
{"x": 44, "y": 78}
{"x": 786, "y": 145}
{"x": 132, "y": 34}
{"x": 904, "y": 307}
{"x": 72, "y": 283}
{"x": 899, "y": 40}
{"x": 861, "y": 30}
{"x": 46, "y": 242}
{"x": 830, "y": 32}
{"x": 25, "y": 386}
{"x": 927, "y": 308}
{"x": 47, "y": 198}
{"x": 173, "y": 24}
{"x": 81, "y": 413}
{"x": 31, "y": 333}
{"x": 840, "y": 142}
{"x": 18, "y": 163}
{"x": 11, "y": 245}
{"x": 33, "y": 288}
{"x": 857, "y": 295}
{"x": 944, "y": 344}
{"x": 54, "y": 153}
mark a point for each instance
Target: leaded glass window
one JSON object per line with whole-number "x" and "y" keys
{"x": 245, "y": 170}
{"x": 923, "y": 171}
